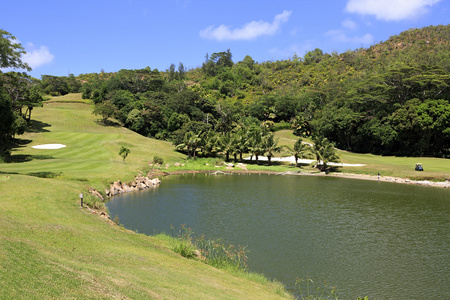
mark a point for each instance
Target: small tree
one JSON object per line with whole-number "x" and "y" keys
{"x": 124, "y": 152}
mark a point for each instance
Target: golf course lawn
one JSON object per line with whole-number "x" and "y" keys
{"x": 51, "y": 248}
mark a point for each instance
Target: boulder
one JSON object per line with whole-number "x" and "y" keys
{"x": 96, "y": 193}
{"x": 155, "y": 181}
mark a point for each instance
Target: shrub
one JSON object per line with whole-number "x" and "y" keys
{"x": 158, "y": 160}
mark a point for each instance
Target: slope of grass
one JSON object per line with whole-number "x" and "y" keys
{"x": 52, "y": 248}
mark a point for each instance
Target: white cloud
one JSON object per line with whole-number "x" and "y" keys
{"x": 36, "y": 57}
{"x": 341, "y": 36}
{"x": 349, "y": 24}
{"x": 390, "y": 10}
{"x": 249, "y": 31}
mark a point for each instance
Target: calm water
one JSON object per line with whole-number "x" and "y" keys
{"x": 382, "y": 240}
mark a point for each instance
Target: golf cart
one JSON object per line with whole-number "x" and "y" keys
{"x": 419, "y": 167}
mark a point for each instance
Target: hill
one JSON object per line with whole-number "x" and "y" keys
{"x": 391, "y": 98}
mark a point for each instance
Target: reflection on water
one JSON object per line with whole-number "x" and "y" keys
{"x": 383, "y": 240}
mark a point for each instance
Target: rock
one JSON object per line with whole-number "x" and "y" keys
{"x": 107, "y": 192}
{"x": 197, "y": 254}
{"x": 176, "y": 164}
{"x": 156, "y": 181}
{"x": 96, "y": 193}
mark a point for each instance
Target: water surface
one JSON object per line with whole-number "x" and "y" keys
{"x": 368, "y": 238}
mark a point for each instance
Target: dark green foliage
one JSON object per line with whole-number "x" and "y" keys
{"x": 106, "y": 110}
{"x": 18, "y": 92}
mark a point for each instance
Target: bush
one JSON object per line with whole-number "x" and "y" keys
{"x": 158, "y": 160}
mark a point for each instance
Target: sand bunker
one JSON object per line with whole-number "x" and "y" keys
{"x": 291, "y": 159}
{"x": 49, "y": 146}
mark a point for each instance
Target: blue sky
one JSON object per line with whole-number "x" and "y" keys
{"x": 63, "y": 37}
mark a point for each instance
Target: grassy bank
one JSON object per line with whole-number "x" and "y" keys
{"x": 52, "y": 248}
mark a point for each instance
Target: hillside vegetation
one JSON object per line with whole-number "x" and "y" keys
{"x": 391, "y": 99}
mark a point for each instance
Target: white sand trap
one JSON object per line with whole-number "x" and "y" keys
{"x": 291, "y": 159}
{"x": 49, "y": 146}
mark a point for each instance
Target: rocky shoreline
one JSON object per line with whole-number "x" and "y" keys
{"x": 443, "y": 184}
{"x": 138, "y": 184}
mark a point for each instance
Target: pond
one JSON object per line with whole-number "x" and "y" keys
{"x": 367, "y": 238}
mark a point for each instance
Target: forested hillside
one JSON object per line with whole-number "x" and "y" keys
{"x": 392, "y": 98}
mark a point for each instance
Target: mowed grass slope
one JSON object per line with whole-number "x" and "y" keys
{"x": 92, "y": 148}
{"x": 50, "y": 248}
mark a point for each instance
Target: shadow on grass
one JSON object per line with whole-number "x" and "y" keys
{"x": 110, "y": 123}
{"x": 37, "y": 126}
{"x": 44, "y": 174}
{"x": 19, "y": 158}
{"x": 261, "y": 163}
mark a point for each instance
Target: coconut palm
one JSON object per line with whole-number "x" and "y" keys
{"x": 254, "y": 142}
{"x": 324, "y": 151}
{"x": 191, "y": 142}
{"x": 210, "y": 143}
{"x": 240, "y": 143}
{"x": 226, "y": 144}
{"x": 270, "y": 144}
{"x": 299, "y": 150}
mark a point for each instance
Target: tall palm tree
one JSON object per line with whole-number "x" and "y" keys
{"x": 270, "y": 144}
{"x": 325, "y": 152}
{"x": 298, "y": 150}
{"x": 226, "y": 144}
{"x": 241, "y": 145}
{"x": 191, "y": 142}
{"x": 210, "y": 143}
{"x": 254, "y": 142}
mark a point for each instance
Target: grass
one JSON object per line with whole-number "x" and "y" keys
{"x": 437, "y": 169}
{"x": 50, "y": 247}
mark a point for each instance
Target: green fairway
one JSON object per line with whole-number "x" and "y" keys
{"x": 51, "y": 248}
{"x": 435, "y": 168}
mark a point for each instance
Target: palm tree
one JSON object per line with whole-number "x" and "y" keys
{"x": 240, "y": 143}
{"x": 210, "y": 143}
{"x": 191, "y": 142}
{"x": 270, "y": 144}
{"x": 254, "y": 142}
{"x": 226, "y": 144}
{"x": 298, "y": 150}
{"x": 324, "y": 151}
